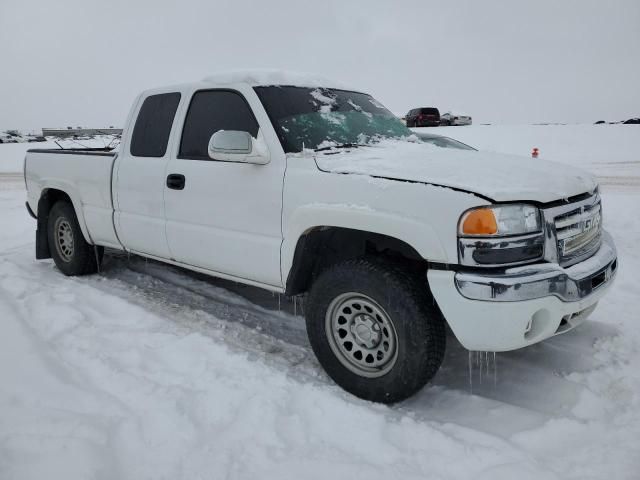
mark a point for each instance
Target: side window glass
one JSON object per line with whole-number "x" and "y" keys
{"x": 210, "y": 111}
{"x": 153, "y": 125}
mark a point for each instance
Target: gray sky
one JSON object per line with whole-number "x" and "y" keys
{"x": 81, "y": 62}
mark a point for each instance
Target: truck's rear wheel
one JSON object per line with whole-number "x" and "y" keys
{"x": 375, "y": 329}
{"x": 69, "y": 250}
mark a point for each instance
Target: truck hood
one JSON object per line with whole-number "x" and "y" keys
{"x": 496, "y": 176}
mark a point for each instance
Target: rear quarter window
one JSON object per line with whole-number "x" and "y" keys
{"x": 153, "y": 125}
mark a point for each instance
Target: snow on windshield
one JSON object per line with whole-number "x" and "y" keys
{"x": 326, "y": 105}
{"x": 311, "y": 118}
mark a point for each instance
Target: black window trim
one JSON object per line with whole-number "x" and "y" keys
{"x": 173, "y": 121}
{"x": 186, "y": 114}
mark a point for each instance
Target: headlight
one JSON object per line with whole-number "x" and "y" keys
{"x": 500, "y": 235}
{"x": 500, "y": 221}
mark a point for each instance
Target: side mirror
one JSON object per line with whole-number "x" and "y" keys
{"x": 237, "y": 146}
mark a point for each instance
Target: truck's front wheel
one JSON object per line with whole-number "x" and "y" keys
{"x": 70, "y": 251}
{"x": 375, "y": 329}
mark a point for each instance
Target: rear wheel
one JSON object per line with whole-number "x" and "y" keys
{"x": 375, "y": 329}
{"x": 69, "y": 250}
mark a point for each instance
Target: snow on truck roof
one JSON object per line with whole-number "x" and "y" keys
{"x": 268, "y": 77}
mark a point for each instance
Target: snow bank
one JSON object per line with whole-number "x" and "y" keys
{"x": 604, "y": 150}
{"x": 12, "y": 155}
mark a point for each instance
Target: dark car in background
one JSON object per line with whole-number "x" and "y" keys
{"x": 423, "y": 117}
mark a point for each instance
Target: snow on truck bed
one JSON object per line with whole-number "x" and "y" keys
{"x": 12, "y": 154}
{"x": 148, "y": 371}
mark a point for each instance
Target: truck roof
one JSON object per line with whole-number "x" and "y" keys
{"x": 253, "y": 78}
{"x": 268, "y": 77}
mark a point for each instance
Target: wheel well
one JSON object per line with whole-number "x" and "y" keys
{"x": 48, "y": 198}
{"x": 322, "y": 247}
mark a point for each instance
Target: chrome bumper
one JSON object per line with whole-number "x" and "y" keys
{"x": 541, "y": 280}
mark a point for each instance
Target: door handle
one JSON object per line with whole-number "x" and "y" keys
{"x": 175, "y": 181}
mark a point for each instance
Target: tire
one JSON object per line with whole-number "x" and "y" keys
{"x": 389, "y": 298}
{"x": 69, "y": 250}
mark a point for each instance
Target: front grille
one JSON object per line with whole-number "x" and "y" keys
{"x": 578, "y": 232}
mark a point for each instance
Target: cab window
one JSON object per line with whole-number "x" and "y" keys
{"x": 210, "y": 111}
{"x": 153, "y": 125}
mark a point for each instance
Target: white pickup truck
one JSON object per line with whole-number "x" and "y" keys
{"x": 299, "y": 186}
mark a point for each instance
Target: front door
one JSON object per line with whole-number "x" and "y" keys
{"x": 227, "y": 218}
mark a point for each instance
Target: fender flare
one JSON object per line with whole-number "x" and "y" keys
{"x": 74, "y": 196}
{"x": 418, "y": 234}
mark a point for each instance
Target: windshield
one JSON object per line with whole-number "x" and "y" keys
{"x": 312, "y": 118}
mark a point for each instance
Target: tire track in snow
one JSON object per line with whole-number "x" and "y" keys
{"x": 279, "y": 338}
{"x": 89, "y": 334}
{"x": 210, "y": 307}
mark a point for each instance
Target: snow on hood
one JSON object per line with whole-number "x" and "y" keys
{"x": 496, "y": 176}
{"x": 268, "y": 77}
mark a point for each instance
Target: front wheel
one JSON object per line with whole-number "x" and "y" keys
{"x": 375, "y": 329}
{"x": 70, "y": 251}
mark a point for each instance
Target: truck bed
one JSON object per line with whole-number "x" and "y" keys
{"x": 75, "y": 151}
{"x": 84, "y": 174}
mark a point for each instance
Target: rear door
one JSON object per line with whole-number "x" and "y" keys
{"x": 139, "y": 177}
{"x": 227, "y": 218}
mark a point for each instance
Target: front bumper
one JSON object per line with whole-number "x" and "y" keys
{"x": 523, "y": 305}
{"x": 541, "y": 280}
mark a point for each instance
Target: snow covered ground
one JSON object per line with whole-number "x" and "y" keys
{"x": 148, "y": 371}
{"x": 612, "y": 152}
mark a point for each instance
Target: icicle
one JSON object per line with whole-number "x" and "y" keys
{"x": 495, "y": 370}
{"x": 295, "y": 307}
{"x": 95, "y": 252}
{"x": 470, "y": 362}
{"x": 485, "y": 364}
{"x": 279, "y": 309}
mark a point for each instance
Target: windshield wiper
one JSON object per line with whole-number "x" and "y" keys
{"x": 340, "y": 145}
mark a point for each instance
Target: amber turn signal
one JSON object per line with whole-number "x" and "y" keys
{"x": 481, "y": 221}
